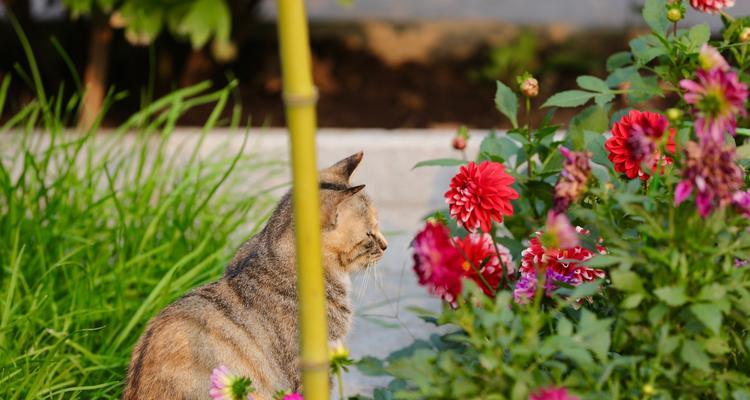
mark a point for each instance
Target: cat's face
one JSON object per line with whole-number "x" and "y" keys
{"x": 351, "y": 233}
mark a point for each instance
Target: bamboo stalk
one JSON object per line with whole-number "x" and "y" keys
{"x": 300, "y": 97}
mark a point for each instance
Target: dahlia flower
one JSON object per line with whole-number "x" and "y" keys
{"x": 710, "y": 58}
{"x": 228, "y": 386}
{"x": 553, "y": 393}
{"x": 438, "y": 264}
{"x": 710, "y": 169}
{"x": 481, "y": 255}
{"x": 717, "y": 97}
{"x": 556, "y": 264}
{"x": 741, "y": 201}
{"x": 711, "y": 6}
{"x": 635, "y": 143}
{"x": 480, "y": 194}
{"x": 294, "y": 396}
{"x": 572, "y": 181}
{"x": 559, "y": 233}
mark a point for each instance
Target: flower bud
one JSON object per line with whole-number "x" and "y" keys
{"x": 117, "y": 21}
{"x": 648, "y": 389}
{"x": 459, "y": 143}
{"x": 530, "y": 87}
{"x": 745, "y": 35}
{"x": 674, "y": 114}
{"x": 674, "y": 15}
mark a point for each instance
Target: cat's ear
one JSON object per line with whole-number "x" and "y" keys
{"x": 346, "y": 167}
{"x": 330, "y": 200}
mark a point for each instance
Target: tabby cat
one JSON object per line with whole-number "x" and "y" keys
{"x": 247, "y": 320}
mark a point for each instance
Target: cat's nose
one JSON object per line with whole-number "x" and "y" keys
{"x": 382, "y": 243}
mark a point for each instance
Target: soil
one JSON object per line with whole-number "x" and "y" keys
{"x": 358, "y": 87}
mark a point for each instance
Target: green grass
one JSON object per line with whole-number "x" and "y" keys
{"x": 98, "y": 232}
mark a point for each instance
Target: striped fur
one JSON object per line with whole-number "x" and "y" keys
{"x": 247, "y": 320}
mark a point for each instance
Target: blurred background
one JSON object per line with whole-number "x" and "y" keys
{"x": 377, "y": 63}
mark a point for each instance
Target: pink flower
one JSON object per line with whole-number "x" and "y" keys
{"x": 481, "y": 255}
{"x": 438, "y": 264}
{"x": 557, "y": 265}
{"x": 572, "y": 181}
{"x": 480, "y": 194}
{"x": 635, "y": 143}
{"x": 741, "y": 201}
{"x": 559, "y": 233}
{"x": 228, "y": 386}
{"x": 711, "y": 6}
{"x": 553, "y": 393}
{"x": 709, "y": 169}
{"x": 294, "y": 396}
{"x": 710, "y": 58}
{"x": 717, "y": 96}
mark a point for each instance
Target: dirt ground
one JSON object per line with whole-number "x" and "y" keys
{"x": 369, "y": 74}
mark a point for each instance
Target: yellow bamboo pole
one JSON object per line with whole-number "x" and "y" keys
{"x": 300, "y": 97}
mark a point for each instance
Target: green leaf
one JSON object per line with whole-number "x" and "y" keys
{"x": 507, "y": 103}
{"x": 498, "y": 146}
{"x": 619, "y": 60}
{"x": 594, "y": 144}
{"x": 627, "y": 281}
{"x": 370, "y": 366}
{"x": 672, "y": 295}
{"x": 693, "y": 354}
{"x": 592, "y": 119}
{"x": 632, "y": 301}
{"x": 655, "y": 14}
{"x": 697, "y": 36}
{"x": 569, "y": 98}
{"x": 709, "y": 314}
{"x": 592, "y": 83}
{"x": 602, "y": 260}
{"x": 439, "y": 162}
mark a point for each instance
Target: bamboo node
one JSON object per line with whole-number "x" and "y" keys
{"x": 301, "y": 99}
{"x": 314, "y": 366}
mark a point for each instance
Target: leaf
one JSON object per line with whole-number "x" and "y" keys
{"x": 697, "y": 36}
{"x": 655, "y": 14}
{"x": 594, "y": 144}
{"x": 592, "y": 83}
{"x": 439, "y": 162}
{"x": 627, "y": 281}
{"x": 592, "y": 119}
{"x": 602, "y": 260}
{"x": 498, "y": 146}
{"x": 619, "y": 60}
{"x": 632, "y": 301}
{"x": 370, "y": 366}
{"x": 693, "y": 354}
{"x": 507, "y": 103}
{"x": 672, "y": 295}
{"x": 206, "y": 18}
{"x": 569, "y": 98}
{"x": 709, "y": 314}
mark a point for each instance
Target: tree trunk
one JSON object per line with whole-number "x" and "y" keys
{"x": 95, "y": 75}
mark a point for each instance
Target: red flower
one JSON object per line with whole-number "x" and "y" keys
{"x": 556, "y": 264}
{"x": 711, "y": 6}
{"x": 634, "y": 142}
{"x": 554, "y": 393}
{"x": 481, "y": 256}
{"x": 437, "y": 262}
{"x": 480, "y": 194}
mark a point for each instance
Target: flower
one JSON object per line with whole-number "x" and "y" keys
{"x": 553, "y": 393}
{"x": 294, "y": 396}
{"x": 530, "y": 87}
{"x": 711, "y": 6}
{"x": 572, "y": 181}
{"x": 480, "y": 194}
{"x": 437, "y": 262}
{"x": 228, "y": 386}
{"x": 481, "y": 258}
{"x": 717, "y": 96}
{"x": 556, "y": 265}
{"x": 710, "y": 58}
{"x": 634, "y": 143}
{"x": 741, "y": 201}
{"x": 559, "y": 233}
{"x": 712, "y": 171}
{"x": 745, "y": 35}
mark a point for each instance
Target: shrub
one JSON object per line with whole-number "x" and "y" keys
{"x": 649, "y": 297}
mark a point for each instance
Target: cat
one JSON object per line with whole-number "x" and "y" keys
{"x": 247, "y": 320}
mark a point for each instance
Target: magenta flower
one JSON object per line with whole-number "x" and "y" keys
{"x": 741, "y": 201}
{"x": 437, "y": 262}
{"x": 572, "y": 182}
{"x": 226, "y": 385}
{"x": 294, "y": 396}
{"x": 717, "y": 96}
{"x": 711, "y": 171}
{"x": 559, "y": 233}
{"x": 710, "y": 58}
{"x": 554, "y": 393}
{"x": 711, "y": 6}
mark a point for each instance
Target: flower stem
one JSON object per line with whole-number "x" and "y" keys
{"x": 530, "y": 168}
{"x": 341, "y": 384}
